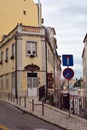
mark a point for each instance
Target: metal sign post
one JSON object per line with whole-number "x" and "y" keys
{"x": 68, "y": 73}
{"x": 69, "y": 97}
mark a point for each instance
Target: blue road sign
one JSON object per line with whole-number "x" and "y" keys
{"x": 67, "y": 60}
{"x": 68, "y": 73}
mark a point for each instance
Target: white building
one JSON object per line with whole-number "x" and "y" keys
{"x": 84, "y": 59}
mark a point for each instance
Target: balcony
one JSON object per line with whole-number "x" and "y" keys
{"x": 32, "y": 56}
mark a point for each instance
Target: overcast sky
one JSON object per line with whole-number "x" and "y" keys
{"x": 69, "y": 18}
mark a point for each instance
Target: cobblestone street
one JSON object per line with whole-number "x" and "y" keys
{"x": 51, "y": 114}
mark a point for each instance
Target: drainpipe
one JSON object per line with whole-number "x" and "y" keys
{"x": 16, "y": 92}
{"x": 39, "y": 12}
{"x": 46, "y": 93}
{"x": 54, "y": 70}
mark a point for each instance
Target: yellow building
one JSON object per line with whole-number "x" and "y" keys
{"x": 28, "y": 56}
{"x": 27, "y": 62}
{"x": 18, "y": 11}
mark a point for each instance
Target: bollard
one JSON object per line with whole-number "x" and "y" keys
{"x": 32, "y": 104}
{"x": 19, "y": 100}
{"x": 8, "y": 96}
{"x": 24, "y": 101}
{"x": 11, "y": 97}
{"x": 43, "y": 107}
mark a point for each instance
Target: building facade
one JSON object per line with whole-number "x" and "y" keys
{"x": 84, "y": 60}
{"x": 29, "y": 62}
{"x": 12, "y": 12}
{"x": 27, "y": 66}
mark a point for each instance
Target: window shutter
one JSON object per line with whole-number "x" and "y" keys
{"x": 31, "y": 48}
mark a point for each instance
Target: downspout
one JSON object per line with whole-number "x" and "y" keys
{"x": 46, "y": 94}
{"x": 16, "y": 92}
{"x": 54, "y": 71}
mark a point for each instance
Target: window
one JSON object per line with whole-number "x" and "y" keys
{"x": 31, "y": 48}
{"x": 2, "y": 83}
{"x": 6, "y": 55}
{"x": 32, "y": 80}
{"x": 1, "y": 57}
{"x": 13, "y": 49}
{"x": 24, "y": 12}
{"x": 13, "y": 84}
{"x": 50, "y": 58}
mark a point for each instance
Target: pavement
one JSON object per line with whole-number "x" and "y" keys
{"x": 49, "y": 113}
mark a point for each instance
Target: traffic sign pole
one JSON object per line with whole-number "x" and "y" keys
{"x": 69, "y": 94}
{"x": 69, "y": 98}
{"x": 68, "y": 74}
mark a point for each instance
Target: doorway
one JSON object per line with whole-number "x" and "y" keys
{"x": 32, "y": 84}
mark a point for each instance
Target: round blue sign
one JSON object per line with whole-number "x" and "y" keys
{"x": 68, "y": 73}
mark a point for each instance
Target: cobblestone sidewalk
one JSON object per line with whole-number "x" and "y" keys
{"x": 51, "y": 114}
